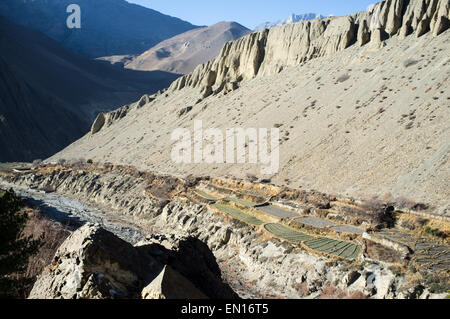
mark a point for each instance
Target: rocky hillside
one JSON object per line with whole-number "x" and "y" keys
{"x": 361, "y": 103}
{"x": 108, "y": 27}
{"x": 234, "y": 242}
{"x": 269, "y": 51}
{"x": 95, "y": 264}
{"x": 183, "y": 53}
{"x": 49, "y": 96}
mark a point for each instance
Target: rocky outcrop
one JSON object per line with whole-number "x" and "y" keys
{"x": 107, "y": 119}
{"x": 94, "y": 263}
{"x": 269, "y": 51}
{"x": 171, "y": 285}
{"x": 204, "y": 247}
{"x": 98, "y": 123}
{"x": 111, "y": 117}
{"x": 91, "y": 263}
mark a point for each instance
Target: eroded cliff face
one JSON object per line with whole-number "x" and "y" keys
{"x": 269, "y": 51}
{"x": 366, "y": 120}
{"x": 94, "y": 263}
{"x": 228, "y": 252}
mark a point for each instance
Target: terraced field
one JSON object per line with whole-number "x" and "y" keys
{"x": 348, "y": 229}
{"x": 220, "y": 190}
{"x": 315, "y": 222}
{"x": 277, "y": 212}
{"x": 334, "y": 247}
{"x": 434, "y": 259}
{"x": 398, "y": 236}
{"x": 238, "y": 214}
{"x": 241, "y": 202}
{"x": 196, "y": 198}
{"x": 287, "y": 233}
{"x": 428, "y": 254}
{"x": 206, "y": 195}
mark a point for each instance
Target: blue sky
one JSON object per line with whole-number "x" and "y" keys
{"x": 250, "y": 13}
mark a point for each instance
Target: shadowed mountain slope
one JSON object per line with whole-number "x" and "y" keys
{"x": 49, "y": 95}
{"x": 108, "y": 27}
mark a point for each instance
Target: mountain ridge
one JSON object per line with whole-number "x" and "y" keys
{"x": 340, "y": 90}
{"x": 184, "y": 52}
{"x": 108, "y": 27}
{"x": 47, "y": 105}
{"x": 269, "y": 51}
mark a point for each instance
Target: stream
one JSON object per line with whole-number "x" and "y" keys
{"x": 74, "y": 213}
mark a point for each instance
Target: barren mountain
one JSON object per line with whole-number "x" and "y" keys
{"x": 108, "y": 27}
{"x": 49, "y": 95}
{"x": 293, "y": 18}
{"x": 183, "y": 53}
{"x": 361, "y": 102}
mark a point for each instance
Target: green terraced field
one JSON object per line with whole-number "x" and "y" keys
{"x": 287, "y": 233}
{"x": 241, "y": 202}
{"x": 238, "y": 214}
{"x": 205, "y": 195}
{"x": 335, "y": 247}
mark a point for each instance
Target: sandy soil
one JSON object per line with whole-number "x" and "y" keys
{"x": 362, "y": 122}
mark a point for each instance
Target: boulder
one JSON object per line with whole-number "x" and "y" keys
{"x": 91, "y": 263}
{"x": 169, "y": 284}
{"x": 98, "y": 123}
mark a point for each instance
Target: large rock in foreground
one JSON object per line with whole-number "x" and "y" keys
{"x": 171, "y": 285}
{"x": 95, "y": 264}
{"x": 91, "y": 263}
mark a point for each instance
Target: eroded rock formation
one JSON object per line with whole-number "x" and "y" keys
{"x": 94, "y": 263}
{"x": 269, "y": 51}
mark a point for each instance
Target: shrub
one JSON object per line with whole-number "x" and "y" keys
{"x": 55, "y": 234}
{"x": 15, "y": 247}
{"x": 77, "y": 163}
{"x": 434, "y": 232}
{"x": 405, "y": 203}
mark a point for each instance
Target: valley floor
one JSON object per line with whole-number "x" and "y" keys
{"x": 269, "y": 242}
